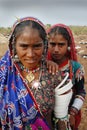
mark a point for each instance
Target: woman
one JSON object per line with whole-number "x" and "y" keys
{"x": 61, "y": 49}
{"x": 26, "y": 88}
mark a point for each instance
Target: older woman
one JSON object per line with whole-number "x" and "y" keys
{"x": 26, "y": 88}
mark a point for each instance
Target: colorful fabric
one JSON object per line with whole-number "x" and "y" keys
{"x": 23, "y": 107}
{"x": 76, "y": 72}
{"x": 17, "y": 106}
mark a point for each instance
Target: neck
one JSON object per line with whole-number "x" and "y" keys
{"x": 61, "y": 61}
{"x": 33, "y": 69}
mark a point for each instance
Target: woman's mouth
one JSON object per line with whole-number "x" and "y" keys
{"x": 30, "y": 61}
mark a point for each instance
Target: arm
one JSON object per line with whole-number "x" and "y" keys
{"x": 63, "y": 95}
{"x": 79, "y": 94}
{"x": 79, "y": 89}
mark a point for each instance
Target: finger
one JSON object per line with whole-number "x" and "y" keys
{"x": 50, "y": 69}
{"x": 54, "y": 69}
{"x": 57, "y": 68}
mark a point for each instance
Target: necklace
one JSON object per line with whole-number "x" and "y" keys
{"x": 23, "y": 68}
{"x": 36, "y": 83}
{"x": 30, "y": 76}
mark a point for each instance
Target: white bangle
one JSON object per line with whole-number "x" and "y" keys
{"x": 77, "y": 103}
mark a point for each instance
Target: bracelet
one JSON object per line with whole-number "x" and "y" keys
{"x": 55, "y": 120}
{"x": 62, "y": 119}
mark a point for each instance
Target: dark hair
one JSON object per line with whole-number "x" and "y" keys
{"x": 61, "y": 30}
{"x": 28, "y": 23}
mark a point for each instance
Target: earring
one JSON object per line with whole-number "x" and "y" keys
{"x": 68, "y": 48}
{"x": 16, "y": 58}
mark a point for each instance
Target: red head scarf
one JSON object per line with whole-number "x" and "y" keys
{"x": 72, "y": 52}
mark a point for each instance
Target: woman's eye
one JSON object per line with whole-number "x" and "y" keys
{"x": 24, "y": 46}
{"x": 52, "y": 43}
{"x": 61, "y": 44}
{"x": 37, "y": 46}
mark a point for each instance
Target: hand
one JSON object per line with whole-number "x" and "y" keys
{"x": 61, "y": 125}
{"x": 72, "y": 121}
{"x": 52, "y": 67}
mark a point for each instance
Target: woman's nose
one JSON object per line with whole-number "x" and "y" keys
{"x": 29, "y": 52}
{"x": 56, "y": 48}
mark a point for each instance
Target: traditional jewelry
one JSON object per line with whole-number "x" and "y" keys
{"x": 23, "y": 68}
{"x": 36, "y": 83}
{"x": 30, "y": 76}
{"x": 69, "y": 49}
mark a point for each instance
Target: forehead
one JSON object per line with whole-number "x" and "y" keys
{"x": 56, "y": 37}
{"x": 29, "y": 32}
{"x": 29, "y": 35}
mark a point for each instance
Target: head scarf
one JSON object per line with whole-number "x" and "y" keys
{"x": 26, "y": 19}
{"x": 72, "y": 52}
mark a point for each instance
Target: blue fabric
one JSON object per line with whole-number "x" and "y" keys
{"x": 17, "y": 107}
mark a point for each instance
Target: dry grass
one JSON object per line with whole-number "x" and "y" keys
{"x": 83, "y": 125}
{"x": 3, "y": 48}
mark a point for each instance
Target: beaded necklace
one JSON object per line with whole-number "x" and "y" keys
{"x": 30, "y": 76}
{"x": 23, "y": 68}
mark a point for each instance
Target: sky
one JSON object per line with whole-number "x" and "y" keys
{"x": 69, "y": 12}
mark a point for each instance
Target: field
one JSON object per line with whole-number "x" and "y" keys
{"x": 80, "y": 35}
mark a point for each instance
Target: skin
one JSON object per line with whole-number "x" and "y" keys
{"x": 58, "y": 48}
{"x": 29, "y": 48}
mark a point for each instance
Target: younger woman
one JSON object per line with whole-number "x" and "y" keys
{"x": 61, "y": 49}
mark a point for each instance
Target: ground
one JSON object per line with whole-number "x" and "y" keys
{"x": 83, "y": 125}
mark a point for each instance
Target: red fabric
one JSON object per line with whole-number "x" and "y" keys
{"x": 77, "y": 119}
{"x": 49, "y": 56}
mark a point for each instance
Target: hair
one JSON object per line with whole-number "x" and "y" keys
{"x": 19, "y": 28}
{"x": 60, "y": 30}
{"x": 28, "y": 23}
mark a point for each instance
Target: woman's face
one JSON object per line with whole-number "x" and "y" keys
{"x": 57, "y": 47}
{"x": 29, "y": 47}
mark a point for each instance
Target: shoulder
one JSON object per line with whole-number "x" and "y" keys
{"x": 78, "y": 70}
{"x": 5, "y": 59}
{"x": 76, "y": 65}
{"x": 4, "y": 64}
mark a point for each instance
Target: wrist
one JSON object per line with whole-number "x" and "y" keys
{"x": 73, "y": 111}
